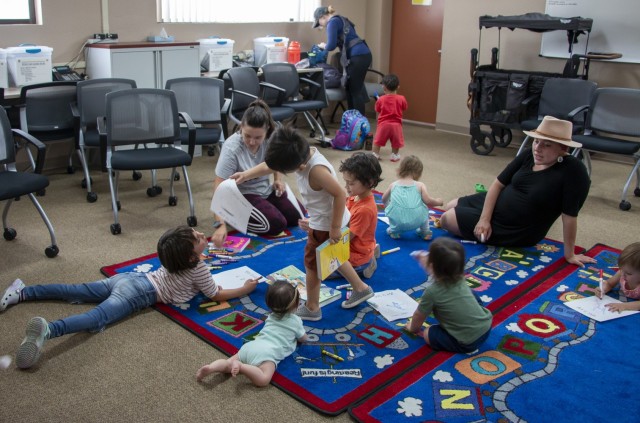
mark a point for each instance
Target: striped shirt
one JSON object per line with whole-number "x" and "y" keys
{"x": 180, "y": 287}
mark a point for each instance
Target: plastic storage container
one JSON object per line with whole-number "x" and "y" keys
{"x": 216, "y": 53}
{"x": 270, "y": 49}
{"x": 4, "y": 75}
{"x": 29, "y": 65}
{"x": 293, "y": 52}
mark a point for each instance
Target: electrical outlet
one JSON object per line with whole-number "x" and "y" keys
{"x": 98, "y": 36}
{"x": 111, "y": 36}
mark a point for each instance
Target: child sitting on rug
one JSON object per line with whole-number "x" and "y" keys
{"x": 463, "y": 323}
{"x": 628, "y": 276}
{"x": 361, "y": 173}
{"x": 259, "y": 358}
{"x": 407, "y": 201}
{"x": 180, "y": 278}
{"x": 325, "y": 201}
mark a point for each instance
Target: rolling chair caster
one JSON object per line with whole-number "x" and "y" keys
{"x": 92, "y": 197}
{"x": 192, "y": 221}
{"x": 52, "y": 251}
{"x": 116, "y": 229}
{"x": 9, "y": 234}
{"x": 173, "y": 201}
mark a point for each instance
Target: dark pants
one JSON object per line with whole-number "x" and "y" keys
{"x": 357, "y": 95}
{"x": 273, "y": 214}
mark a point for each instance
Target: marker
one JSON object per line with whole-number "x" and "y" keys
{"x": 393, "y": 250}
{"x": 346, "y": 285}
{"x": 601, "y": 283}
{"x": 215, "y": 267}
{"x": 466, "y": 241}
{"x": 334, "y": 356}
{"x": 251, "y": 234}
{"x": 482, "y": 238}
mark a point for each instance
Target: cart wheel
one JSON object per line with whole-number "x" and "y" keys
{"x": 482, "y": 146}
{"x": 501, "y": 136}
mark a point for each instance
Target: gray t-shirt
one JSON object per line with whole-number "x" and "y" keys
{"x": 236, "y": 157}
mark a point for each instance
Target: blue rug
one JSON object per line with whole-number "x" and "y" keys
{"x": 542, "y": 362}
{"x": 374, "y": 351}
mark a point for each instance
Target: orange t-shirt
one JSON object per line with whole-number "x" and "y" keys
{"x": 364, "y": 219}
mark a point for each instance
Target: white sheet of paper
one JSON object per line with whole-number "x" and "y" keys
{"x": 294, "y": 200}
{"x": 235, "y": 278}
{"x": 384, "y": 219}
{"x": 393, "y": 304}
{"x": 229, "y": 203}
{"x": 594, "y": 308}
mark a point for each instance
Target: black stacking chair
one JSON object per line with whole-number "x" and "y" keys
{"x": 285, "y": 75}
{"x": 45, "y": 113}
{"x": 613, "y": 127}
{"x": 203, "y": 100}
{"x": 562, "y": 98}
{"x": 140, "y": 116}
{"x": 14, "y": 184}
{"x": 245, "y": 88}
{"x": 91, "y": 101}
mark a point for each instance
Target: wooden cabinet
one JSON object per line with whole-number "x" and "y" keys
{"x": 149, "y": 64}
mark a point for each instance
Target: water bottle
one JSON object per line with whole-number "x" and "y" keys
{"x": 293, "y": 52}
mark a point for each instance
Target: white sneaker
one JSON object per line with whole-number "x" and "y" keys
{"x": 395, "y": 157}
{"x": 11, "y": 294}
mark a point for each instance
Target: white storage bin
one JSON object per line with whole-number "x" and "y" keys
{"x": 216, "y": 53}
{"x": 29, "y": 65}
{"x": 270, "y": 49}
{"x": 4, "y": 76}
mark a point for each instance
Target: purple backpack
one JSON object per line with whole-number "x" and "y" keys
{"x": 354, "y": 128}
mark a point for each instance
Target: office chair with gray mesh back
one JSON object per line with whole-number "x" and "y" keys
{"x": 562, "y": 98}
{"x": 613, "y": 127}
{"x": 45, "y": 113}
{"x": 140, "y": 116}
{"x": 90, "y": 105}
{"x": 202, "y": 99}
{"x": 14, "y": 184}
{"x": 245, "y": 88}
{"x": 285, "y": 75}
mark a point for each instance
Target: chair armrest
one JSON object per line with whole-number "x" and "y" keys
{"x": 377, "y": 72}
{"x": 529, "y": 99}
{"x": 40, "y": 147}
{"x": 246, "y": 94}
{"x": 281, "y": 92}
{"x": 102, "y": 132}
{"x": 310, "y": 82}
{"x": 580, "y": 109}
{"x": 225, "y": 106}
{"x": 75, "y": 112}
{"x": 191, "y": 127}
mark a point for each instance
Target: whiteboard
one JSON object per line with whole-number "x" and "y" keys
{"x": 616, "y": 28}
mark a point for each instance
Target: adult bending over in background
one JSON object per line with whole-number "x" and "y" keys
{"x": 355, "y": 54}
{"x": 273, "y": 210}
{"x": 528, "y": 196}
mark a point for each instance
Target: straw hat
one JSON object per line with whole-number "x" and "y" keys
{"x": 556, "y": 130}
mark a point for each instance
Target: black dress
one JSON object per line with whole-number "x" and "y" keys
{"x": 530, "y": 202}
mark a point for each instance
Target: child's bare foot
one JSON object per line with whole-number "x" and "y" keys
{"x": 235, "y": 367}
{"x": 203, "y": 372}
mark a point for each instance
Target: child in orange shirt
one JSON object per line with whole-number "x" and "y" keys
{"x": 361, "y": 173}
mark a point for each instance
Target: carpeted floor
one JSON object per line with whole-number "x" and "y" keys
{"x": 143, "y": 368}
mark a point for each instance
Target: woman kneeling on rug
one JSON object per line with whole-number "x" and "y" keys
{"x": 272, "y": 211}
{"x": 528, "y": 196}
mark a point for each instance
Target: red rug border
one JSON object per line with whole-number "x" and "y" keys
{"x": 360, "y": 411}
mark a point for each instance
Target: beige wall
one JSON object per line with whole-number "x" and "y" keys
{"x": 68, "y": 23}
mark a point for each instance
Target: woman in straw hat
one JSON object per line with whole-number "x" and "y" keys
{"x": 528, "y": 196}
